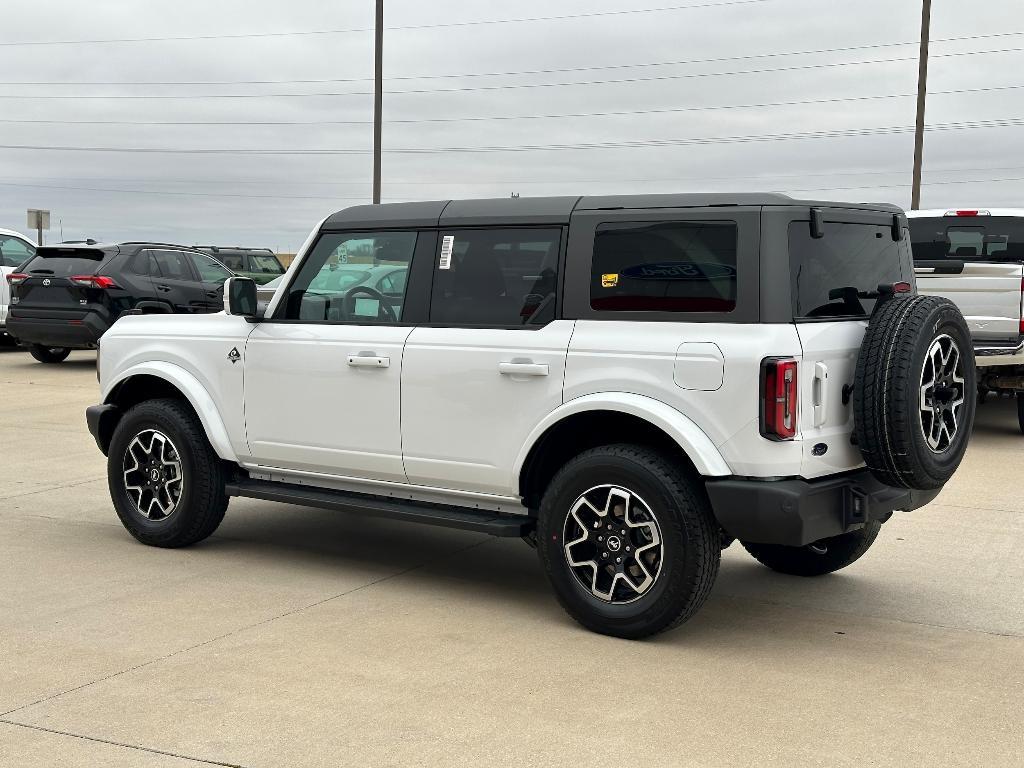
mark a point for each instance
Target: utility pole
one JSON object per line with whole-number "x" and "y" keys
{"x": 378, "y": 97}
{"x": 922, "y": 93}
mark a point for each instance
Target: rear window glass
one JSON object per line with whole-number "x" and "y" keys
{"x": 63, "y": 263}
{"x": 971, "y": 238}
{"x": 266, "y": 264}
{"x": 665, "y": 267}
{"x": 831, "y": 274}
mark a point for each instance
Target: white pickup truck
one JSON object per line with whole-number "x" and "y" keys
{"x": 975, "y": 257}
{"x": 629, "y": 382}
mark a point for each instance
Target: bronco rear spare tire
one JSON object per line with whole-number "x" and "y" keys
{"x": 914, "y": 391}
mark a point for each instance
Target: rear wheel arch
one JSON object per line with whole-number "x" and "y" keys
{"x": 582, "y": 428}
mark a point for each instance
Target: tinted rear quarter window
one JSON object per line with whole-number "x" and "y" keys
{"x": 829, "y": 272}
{"x": 14, "y": 251}
{"x": 665, "y": 267}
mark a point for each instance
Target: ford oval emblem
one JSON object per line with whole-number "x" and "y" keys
{"x": 679, "y": 270}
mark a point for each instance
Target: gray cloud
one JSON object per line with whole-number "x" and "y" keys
{"x": 274, "y": 200}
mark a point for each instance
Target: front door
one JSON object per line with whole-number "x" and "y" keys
{"x": 211, "y": 277}
{"x": 323, "y": 376}
{"x": 489, "y": 366}
{"x": 175, "y": 283}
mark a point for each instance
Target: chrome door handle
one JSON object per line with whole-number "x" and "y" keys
{"x": 369, "y": 361}
{"x": 523, "y": 369}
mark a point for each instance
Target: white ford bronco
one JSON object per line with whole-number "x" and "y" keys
{"x": 630, "y": 383}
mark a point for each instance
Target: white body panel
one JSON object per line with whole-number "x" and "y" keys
{"x": 472, "y": 396}
{"x": 191, "y": 352}
{"x": 325, "y": 398}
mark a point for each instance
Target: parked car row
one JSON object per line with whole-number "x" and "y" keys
{"x": 66, "y": 296}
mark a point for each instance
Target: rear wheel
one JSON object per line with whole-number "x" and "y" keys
{"x": 165, "y": 479}
{"x": 46, "y": 354}
{"x": 628, "y": 541}
{"x": 819, "y": 558}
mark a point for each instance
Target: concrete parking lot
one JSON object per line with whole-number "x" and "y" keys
{"x": 300, "y": 637}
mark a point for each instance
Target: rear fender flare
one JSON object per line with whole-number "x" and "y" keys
{"x": 694, "y": 442}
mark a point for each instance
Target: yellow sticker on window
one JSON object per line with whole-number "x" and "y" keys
{"x": 610, "y": 280}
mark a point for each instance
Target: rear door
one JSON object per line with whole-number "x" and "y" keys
{"x": 855, "y": 255}
{"x": 175, "y": 281}
{"x": 976, "y": 261}
{"x": 489, "y": 365}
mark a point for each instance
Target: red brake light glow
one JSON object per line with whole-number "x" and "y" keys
{"x": 975, "y": 212}
{"x": 778, "y": 398}
{"x": 93, "y": 281}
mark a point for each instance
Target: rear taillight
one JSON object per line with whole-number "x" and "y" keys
{"x": 93, "y": 281}
{"x": 16, "y": 278}
{"x": 974, "y": 212}
{"x": 778, "y": 398}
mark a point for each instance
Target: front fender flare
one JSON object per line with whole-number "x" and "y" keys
{"x": 691, "y": 439}
{"x": 194, "y": 392}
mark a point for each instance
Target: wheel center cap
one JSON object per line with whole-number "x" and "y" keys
{"x": 154, "y": 475}
{"x": 614, "y": 543}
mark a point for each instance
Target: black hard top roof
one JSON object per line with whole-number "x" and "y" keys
{"x": 554, "y": 210}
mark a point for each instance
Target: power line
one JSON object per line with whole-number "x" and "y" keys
{"x": 505, "y": 87}
{"x": 333, "y": 198}
{"x": 632, "y": 144}
{"x": 554, "y": 116}
{"x": 298, "y": 33}
{"x": 560, "y": 70}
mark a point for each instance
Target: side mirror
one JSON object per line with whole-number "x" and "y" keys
{"x": 240, "y": 296}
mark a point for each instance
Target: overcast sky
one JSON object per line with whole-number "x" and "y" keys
{"x": 273, "y": 200}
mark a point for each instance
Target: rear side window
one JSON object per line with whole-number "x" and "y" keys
{"x": 265, "y": 264}
{"x": 65, "y": 262}
{"x": 665, "y": 267}
{"x": 172, "y": 265}
{"x": 832, "y": 274}
{"x": 970, "y": 238}
{"x": 232, "y": 261}
{"x": 14, "y": 251}
{"x": 499, "y": 277}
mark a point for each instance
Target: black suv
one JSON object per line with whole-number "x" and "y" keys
{"x": 68, "y": 295}
{"x": 260, "y": 264}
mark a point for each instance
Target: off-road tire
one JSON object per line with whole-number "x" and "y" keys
{"x": 691, "y": 540}
{"x": 887, "y": 391}
{"x": 819, "y": 558}
{"x": 45, "y": 354}
{"x": 203, "y": 500}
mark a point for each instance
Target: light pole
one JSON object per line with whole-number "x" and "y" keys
{"x": 922, "y": 92}
{"x": 378, "y": 96}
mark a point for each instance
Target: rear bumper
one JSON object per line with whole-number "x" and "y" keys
{"x": 52, "y": 330}
{"x": 798, "y": 512}
{"x": 990, "y": 353}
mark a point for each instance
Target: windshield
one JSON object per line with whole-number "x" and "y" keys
{"x": 832, "y": 276}
{"x": 971, "y": 238}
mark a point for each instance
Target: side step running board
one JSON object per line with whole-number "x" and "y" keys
{"x": 480, "y": 520}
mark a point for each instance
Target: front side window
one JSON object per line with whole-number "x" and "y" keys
{"x": 209, "y": 270}
{"x": 14, "y": 251}
{"x": 499, "y": 277}
{"x": 338, "y": 281}
{"x": 680, "y": 266}
{"x": 834, "y": 275}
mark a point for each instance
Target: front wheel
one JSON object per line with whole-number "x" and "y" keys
{"x": 165, "y": 479}
{"x": 45, "y": 354}
{"x": 628, "y": 541}
{"x": 819, "y": 558}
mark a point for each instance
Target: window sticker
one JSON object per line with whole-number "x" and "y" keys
{"x": 447, "y": 245}
{"x": 610, "y": 280}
